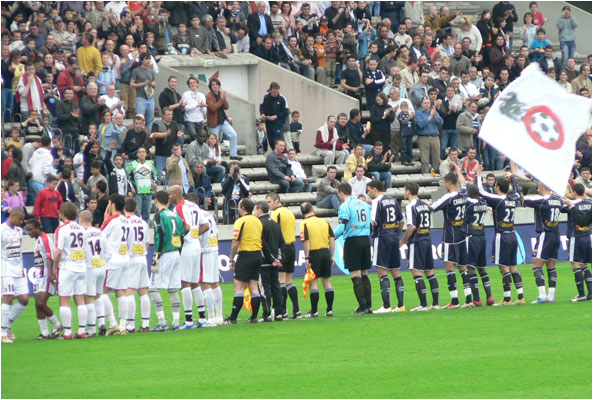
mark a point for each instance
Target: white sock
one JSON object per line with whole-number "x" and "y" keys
{"x": 15, "y": 312}
{"x": 217, "y": 294}
{"x": 122, "y": 311}
{"x": 82, "y": 315}
{"x": 145, "y": 310}
{"x": 551, "y": 292}
{"x": 100, "y": 311}
{"x": 157, "y": 300}
{"x": 507, "y": 294}
{"x": 43, "y": 326}
{"x": 454, "y": 294}
{"x": 467, "y": 291}
{"x": 186, "y": 298}
{"x": 109, "y": 310}
{"x": 199, "y": 296}
{"x": 66, "y": 317}
{"x": 542, "y": 292}
{"x": 520, "y": 290}
{"x": 91, "y": 318}
{"x": 5, "y": 314}
{"x": 209, "y": 298}
{"x": 54, "y": 320}
{"x": 175, "y": 305}
{"x": 131, "y": 312}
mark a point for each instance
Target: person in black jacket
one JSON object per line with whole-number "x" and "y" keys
{"x": 65, "y": 186}
{"x": 274, "y": 111}
{"x": 266, "y": 52}
{"x": 69, "y": 117}
{"x": 135, "y": 138}
{"x": 234, "y": 188}
{"x": 170, "y": 98}
{"x": 256, "y": 31}
{"x": 272, "y": 243}
{"x": 382, "y": 116}
{"x": 117, "y": 177}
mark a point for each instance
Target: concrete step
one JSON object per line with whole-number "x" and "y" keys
{"x": 253, "y": 161}
{"x": 396, "y": 168}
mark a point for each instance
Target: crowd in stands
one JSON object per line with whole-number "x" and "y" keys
{"x": 74, "y": 72}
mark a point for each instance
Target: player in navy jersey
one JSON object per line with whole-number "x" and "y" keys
{"x": 387, "y": 223}
{"x": 418, "y": 217}
{"x": 475, "y": 213}
{"x": 355, "y": 224}
{"x": 547, "y": 207}
{"x": 579, "y": 245}
{"x": 504, "y": 206}
{"x": 453, "y": 205}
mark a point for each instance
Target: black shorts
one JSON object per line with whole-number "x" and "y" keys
{"x": 455, "y": 253}
{"x": 420, "y": 255}
{"x": 504, "y": 251}
{"x": 579, "y": 249}
{"x": 357, "y": 253}
{"x": 248, "y": 265}
{"x": 288, "y": 258}
{"x": 476, "y": 251}
{"x": 386, "y": 252}
{"x": 546, "y": 246}
{"x": 321, "y": 263}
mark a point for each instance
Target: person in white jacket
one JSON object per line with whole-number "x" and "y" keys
{"x": 41, "y": 165}
{"x": 195, "y": 108}
{"x": 298, "y": 170}
{"x": 469, "y": 30}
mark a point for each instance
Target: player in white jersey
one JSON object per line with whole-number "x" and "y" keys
{"x": 195, "y": 225}
{"x": 14, "y": 282}
{"x": 70, "y": 261}
{"x": 43, "y": 287}
{"x": 94, "y": 247}
{"x": 117, "y": 232}
{"x": 209, "y": 272}
{"x": 139, "y": 281}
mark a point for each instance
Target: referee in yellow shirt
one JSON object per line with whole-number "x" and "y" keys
{"x": 247, "y": 242}
{"x": 285, "y": 218}
{"x": 318, "y": 241}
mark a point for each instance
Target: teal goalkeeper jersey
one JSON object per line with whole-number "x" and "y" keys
{"x": 142, "y": 175}
{"x": 168, "y": 231}
{"x": 354, "y": 217}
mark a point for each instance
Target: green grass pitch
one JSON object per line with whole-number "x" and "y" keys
{"x": 531, "y": 351}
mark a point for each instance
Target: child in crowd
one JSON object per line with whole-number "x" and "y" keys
{"x": 321, "y": 53}
{"x": 15, "y": 138}
{"x": 538, "y": 18}
{"x": 13, "y": 197}
{"x": 536, "y": 50}
{"x": 51, "y": 93}
{"x": 373, "y": 49}
{"x": 332, "y": 47}
{"x": 32, "y": 127}
{"x": 181, "y": 41}
{"x": 407, "y": 130}
{"x": 4, "y": 205}
{"x": 296, "y": 129}
{"x": 262, "y": 144}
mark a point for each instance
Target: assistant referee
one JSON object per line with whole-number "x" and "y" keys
{"x": 247, "y": 242}
{"x": 318, "y": 242}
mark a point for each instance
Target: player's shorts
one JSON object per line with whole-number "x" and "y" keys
{"x": 138, "y": 273}
{"x": 476, "y": 251}
{"x": 169, "y": 275}
{"x": 357, "y": 253}
{"x": 14, "y": 286}
{"x": 71, "y": 283}
{"x": 43, "y": 284}
{"x": 209, "y": 268}
{"x": 420, "y": 256}
{"x": 117, "y": 279}
{"x": 386, "y": 252}
{"x": 95, "y": 279}
{"x": 248, "y": 265}
{"x": 546, "y": 246}
{"x": 579, "y": 249}
{"x": 190, "y": 263}
{"x": 321, "y": 263}
{"x": 455, "y": 253}
{"x": 504, "y": 251}
{"x": 288, "y": 258}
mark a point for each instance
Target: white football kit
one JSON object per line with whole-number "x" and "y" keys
{"x": 209, "y": 241}
{"x": 43, "y": 252}
{"x": 117, "y": 233}
{"x": 70, "y": 240}
{"x": 140, "y": 240}
{"x": 191, "y": 215}
{"x": 14, "y": 282}
{"x": 95, "y": 246}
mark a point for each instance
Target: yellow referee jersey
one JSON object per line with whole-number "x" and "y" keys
{"x": 317, "y": 231}
{"x": 248, "y": 230}
{"x": 285, "y": 218}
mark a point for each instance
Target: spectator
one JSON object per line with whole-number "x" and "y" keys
{"x": 389, "y": 60}
{"x": 29, "y": 92}
{"x": 144, "y": 78}
{"x": 355, "y": 159}
{"x": 405, "y": 117}
{"x": 435, "y": 21}
{"x": 310, "y": 53}
{"x": 328, "y": 144}
{"x": 112, "y": 102}
{"x": 449, "y": 110}
{"x": 467, "y": 90}
{"x": 280, "y": 172}
{"x": 195, "y": 108}
{"x": 218, "y": 122}
{"x": 198, "y": 35}
{"x": 563, "y": 81}
{"x": 15, "y": 138}
{"x": 373, "y": 82}
{"x": 91, "y": 107}
{"x": 127, "y": 92}
{"x": 469, "y": 164}
{"x": 259, "y": 25}
{"x": 274, "y": 110}
{"x": 162, "y": 31}
{"x": 356, "y": 133}
{"x": 297, "y": 57}
{"x": 402, "y": 37}
{"x": 584, "y": 179}
{"x": 234, "y": 188}
{"x": 470, "y": 31}
{"x": 260, "y": 131}
{"x": 468, "y": 125}
{"x": 95, "y": 163}
{"x": 178, "y": 170}
{"x": 135, "y": 139}
{"x": 199, "y": 151}
{"x": 47, "y": 206}
{"x": 265, "y": 51}
{"x": 379, "y": 163}
{"x": 570, "y": 69}
{"x": 441, "y": 83}
{"x": 143, "y": 179}
{"x": 549, "y": 60}
{"x": 583, "y": 80}
{"x": 165, "y": 133}
{"x": 359, "y": 182}
{"x": 225, "y": 37}
{"x": 89, "y": 56}
{"x": 181, "y": 42}
{"x": 505, "y": 11}
{"x": 32, "y": 127}
{"x": 567, "y": 25}
{"x": 427, "y": 123}
{"x": 382, "y": 115}
{"x": 41, "y": 167}
{"x": 327, "y": 192}
{"x": 101, "y": 199}
{"x": 16, "y": 170}
{"x": 298, "y": 170}
{"x": 459, "y": 62}
{"x": 351, "y": 78}
{"x": 489, "y": 92}
{"x": 528, "y": 30}
{"x": 409, "y": 75}
{"x": 583, "y": 152}
{"x": 420, "y": 90}
{"x": 538, "y": 18}
{"x": 171, "y": 99}
{"x": 395, "y": 82}
{"x": 117, "y": 177}
{"x": 536, "y": 50}
{"x": 446, "y": 165}
{"x": 202, "y": 185}
{"x": 13, "y": 197}
{"x": 282, "y": 53}
{"x": 106, "y": 76}
{"x": 296, "y": 130}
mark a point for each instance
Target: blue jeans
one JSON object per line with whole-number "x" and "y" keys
{"x": 49, "y": 225}
{"x": 375, "y": 8}
{"x": 159, "y": 163}
{"x": 144, "y": 204}
{"x": 490, "y": 158}
{"x": 34, "y": 188}
{"x": 406, "y": 149}
{"x": 216, "y": 173}
{"x": 146, "y": 107}
{"x": 226, "y": 131}
{"x": 450, "y": 138}
{"x": 7, "y": 103}
{"x": 568, "y": 49}
{"x": 292, "y": 187}
{"x": 384, "y": 177}
{"x": 329, "y": 201}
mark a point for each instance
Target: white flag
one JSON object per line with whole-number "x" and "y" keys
{"x": 535, "y": 123}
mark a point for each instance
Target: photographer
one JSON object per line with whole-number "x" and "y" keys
{"x": 234, "y": 188}
{"x": 379, "y": 164}
{"x": 160, "y": 29}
